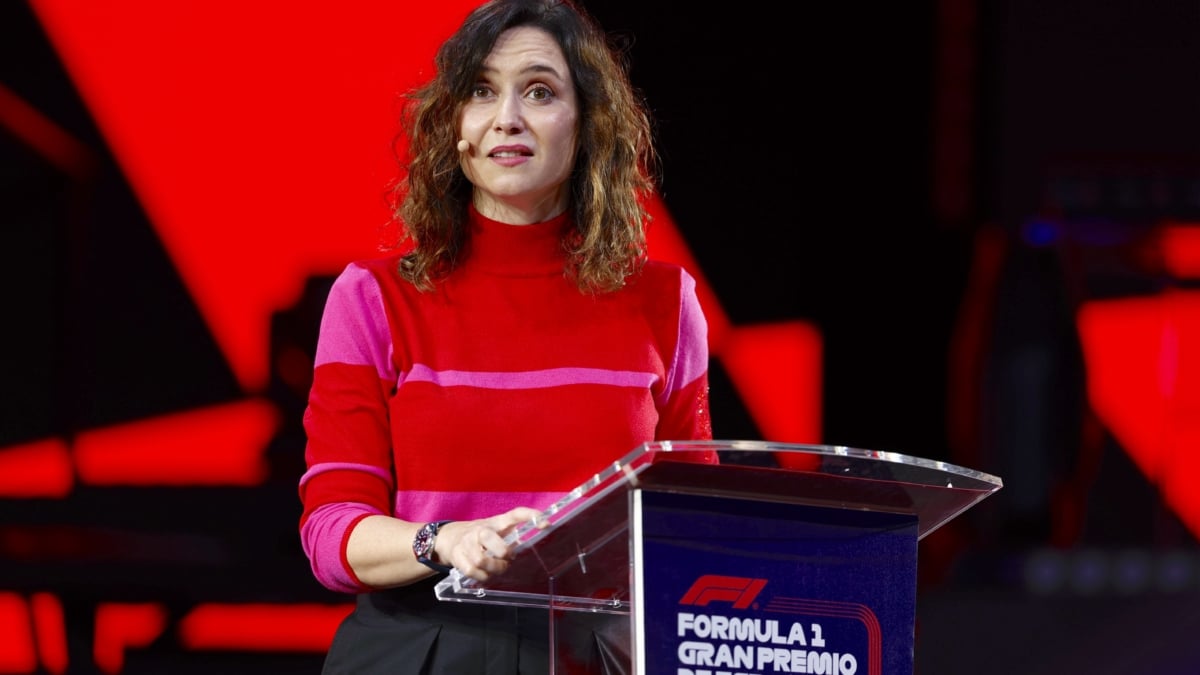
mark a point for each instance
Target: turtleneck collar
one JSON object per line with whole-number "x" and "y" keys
{"x": 516, "y": 250}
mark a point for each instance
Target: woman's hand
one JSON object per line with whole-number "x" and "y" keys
{"x": 476, "y": 548}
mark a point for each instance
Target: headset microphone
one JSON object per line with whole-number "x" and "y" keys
{"x": 463, "y": 145}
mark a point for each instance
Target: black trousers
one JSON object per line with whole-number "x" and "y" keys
{"x": 408, "y": 631}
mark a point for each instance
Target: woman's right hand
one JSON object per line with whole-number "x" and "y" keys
{"x": 476, "y": 548}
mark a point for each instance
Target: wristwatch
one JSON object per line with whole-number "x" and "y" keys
{"x": 423, "y": 545}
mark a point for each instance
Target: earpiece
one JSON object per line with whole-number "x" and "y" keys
{"x": 463, "y": 145}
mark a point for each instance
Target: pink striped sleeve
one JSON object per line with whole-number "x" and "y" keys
{"x": 690, "y": 360}
{"x": 354, "y": 328}
{"x": 348, "y": 453}
{"x": 324, "y": 537}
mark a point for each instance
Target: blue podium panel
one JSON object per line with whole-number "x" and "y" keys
{"x": 731, "y": 586}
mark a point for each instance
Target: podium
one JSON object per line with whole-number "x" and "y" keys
{"x": 795, "y": 558}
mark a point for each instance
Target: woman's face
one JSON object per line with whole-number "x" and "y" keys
{"x": 521, "y": 122}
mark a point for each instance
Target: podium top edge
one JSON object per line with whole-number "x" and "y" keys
{"x": 818, "y": 449}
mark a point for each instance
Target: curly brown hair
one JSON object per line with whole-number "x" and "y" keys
{"x": 616, "y": 166}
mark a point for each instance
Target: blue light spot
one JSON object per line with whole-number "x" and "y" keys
{"x": 1040, "y": 233}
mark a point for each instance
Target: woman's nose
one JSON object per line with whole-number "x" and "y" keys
{"x": 509, "y": 119}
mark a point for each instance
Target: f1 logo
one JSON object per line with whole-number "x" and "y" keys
{"x": 741, "y": 591}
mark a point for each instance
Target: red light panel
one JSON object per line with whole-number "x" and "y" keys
{"x": 222, "y": 445}
{"x": 1143, "y": 367}
{"x": 262, "y": 627}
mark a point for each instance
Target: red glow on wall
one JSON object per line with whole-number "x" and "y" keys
{"x": 44, "y": 136}
{"x": 776, "y": 369}
{"x": 221, "y": 445}
{"x": 1180, "y": 244}
{"x": 38, "y": 469}
{"x": 120, "y": 626}
{"x": 1143, "y": 368}
{"x": 17, "y": 653}
{"x": 262, "y": 627}
{"x": 50, "y": 627}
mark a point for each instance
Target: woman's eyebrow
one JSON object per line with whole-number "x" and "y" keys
{"x": 531, "y": 68}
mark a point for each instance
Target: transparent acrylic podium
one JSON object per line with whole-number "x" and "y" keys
{"x": 687, "y": 567}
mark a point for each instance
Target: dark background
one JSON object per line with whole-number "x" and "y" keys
{"x": 835, "y": 162}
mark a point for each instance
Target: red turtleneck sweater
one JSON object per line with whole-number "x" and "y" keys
{"x": 505, "y": 386}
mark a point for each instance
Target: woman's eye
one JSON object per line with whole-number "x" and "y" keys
{"x": 541, "y": 93}
{"x": 480, "y": 91}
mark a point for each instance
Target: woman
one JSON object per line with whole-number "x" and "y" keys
{"x": 519, "y": 341}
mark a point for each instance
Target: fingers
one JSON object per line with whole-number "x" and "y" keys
{"x": 525, "y": 513}
{"x": 478, "y": 548}
{"x": 492, "y": 543}
{"x": 511, "y": 520}
{"x": 480, "y": 553}
{"x": 484, "y": 568}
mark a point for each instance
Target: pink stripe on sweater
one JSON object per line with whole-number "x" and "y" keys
{"x": 532, "y": 379}
{"x": 323, "y": 467}
{"x": 423, "y": 506}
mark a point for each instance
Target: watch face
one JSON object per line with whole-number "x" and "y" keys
{"x": 423, "y": 543}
